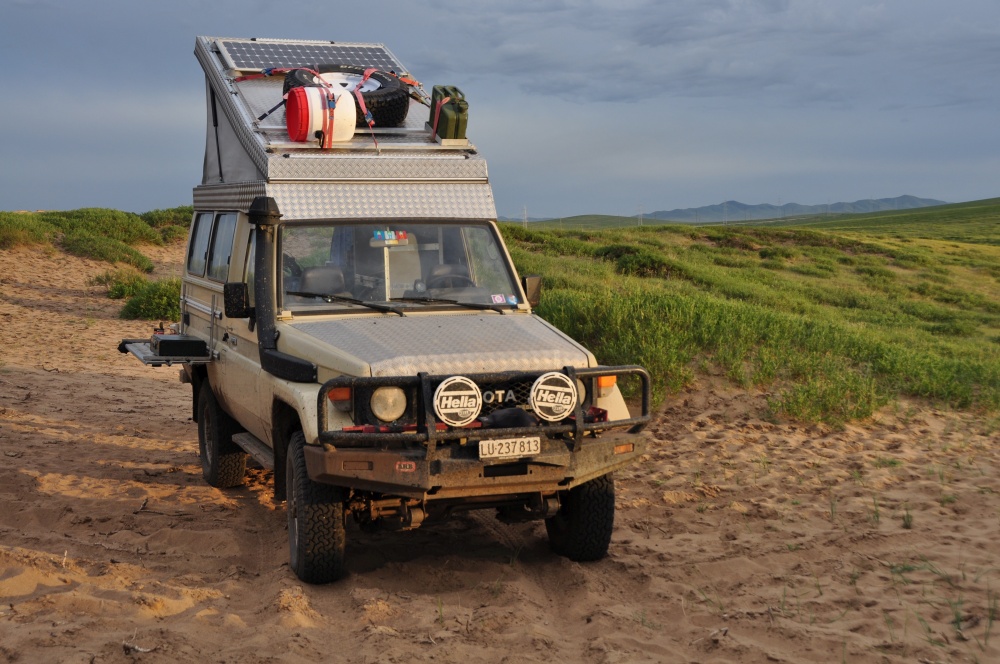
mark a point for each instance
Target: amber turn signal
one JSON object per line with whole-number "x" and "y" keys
{"x": 606, "y": 381}
{"x": 340, "y": 394}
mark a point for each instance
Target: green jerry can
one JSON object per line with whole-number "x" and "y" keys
{"x": 454, "y": 115}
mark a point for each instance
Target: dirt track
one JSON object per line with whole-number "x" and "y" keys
{"x": 737, "y": 540}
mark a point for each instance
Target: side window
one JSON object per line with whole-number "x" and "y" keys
{"x": 222, "y": 246}
{"x": 251, "y": 252}
{"x": 198, "y": 251}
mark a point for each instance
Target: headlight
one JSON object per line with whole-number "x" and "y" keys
{"x": 388, "y": 403}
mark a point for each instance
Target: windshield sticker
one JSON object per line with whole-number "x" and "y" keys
{"x": 512, "y": 299}
{"x": 391, "y": 237}
{"x": 498, "y": 299}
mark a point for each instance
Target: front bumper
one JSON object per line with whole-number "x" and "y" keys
{"x": 436, "y": 462}
{"x": 409, "y": 473}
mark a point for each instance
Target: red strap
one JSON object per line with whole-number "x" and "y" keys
{"x": 364, "y": 109}
{"x": 276, "y": 70}
{"x": 437, "y": 113}
{"x": 326, "y": 124}
{"x": 361, "y": 104}
{"x": 405, "y": 79}
{"x": 361, "y": 99}
{"x": 331, "y": 105}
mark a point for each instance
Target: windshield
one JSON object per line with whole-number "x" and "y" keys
{"x": 407, "y": 264}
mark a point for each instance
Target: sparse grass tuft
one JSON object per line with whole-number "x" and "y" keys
{"x": 121, "y": 282}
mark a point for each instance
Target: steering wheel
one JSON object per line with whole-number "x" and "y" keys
{"x": 451, "y": 279}
{"x": 290, "y": 266}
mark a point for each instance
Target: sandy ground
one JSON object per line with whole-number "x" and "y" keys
{"x": 736, "y": 540}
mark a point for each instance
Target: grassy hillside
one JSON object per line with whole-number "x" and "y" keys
{"x": 836, "y": 323}
{"x": 115, "y": 237}
{"x": 976, "y": 221}
{"x": 587, "y": 222}
{"x": 100, "y": 233}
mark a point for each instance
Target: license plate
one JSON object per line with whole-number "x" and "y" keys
{"x": 509, "y": 447}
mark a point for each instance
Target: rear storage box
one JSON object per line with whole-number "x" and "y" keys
{"x": 178, "y": 345}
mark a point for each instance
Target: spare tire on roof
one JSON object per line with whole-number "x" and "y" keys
{"x": 300, "y": 78}
{"x": 386, "y": 97}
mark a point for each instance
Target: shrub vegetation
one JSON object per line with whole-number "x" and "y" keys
{"x": 99, "y": 233}
{"x": 155, "y": 300}
{"x": 834, "y": 323}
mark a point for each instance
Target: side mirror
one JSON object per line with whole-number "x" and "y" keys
{"x": 236, "y": 300}
{"x": 532, "y": 287}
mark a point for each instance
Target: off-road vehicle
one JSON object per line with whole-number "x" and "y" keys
{"x": 351, "y": 319}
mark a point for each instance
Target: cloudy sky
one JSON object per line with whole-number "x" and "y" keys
{"x": 602, "y": 106}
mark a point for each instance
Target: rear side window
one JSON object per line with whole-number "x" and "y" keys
{"x": 222, "y": 246}
{"x": 198, "y": 251}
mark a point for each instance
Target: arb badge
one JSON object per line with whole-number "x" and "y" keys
{"x": 457, "y": 401}
{"x": 553, "y": 396}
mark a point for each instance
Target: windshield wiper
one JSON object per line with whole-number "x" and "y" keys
{"x": 443, "y": 300}
{"x": 350, "y": 300}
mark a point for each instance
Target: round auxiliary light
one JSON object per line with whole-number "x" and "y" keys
{"x": 388, "y": 403}
{"x": 553, "y": 396}
{"x": 457, "y": 401}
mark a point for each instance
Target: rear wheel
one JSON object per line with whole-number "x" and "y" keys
{"x": 316, "y": 537}
{"x": 581, "y": 529}
{"x": 223, "y": 463}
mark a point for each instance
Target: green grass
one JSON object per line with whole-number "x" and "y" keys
{"x": 156, "y": 300}
{"x": 171, "y": 223}
{"x": 972, "y": 222}
{"x": 834, "y": 323}
{"x": 121, "y": 282}
{"x": 81, "y": 242}
{"x": 99, "y": 233}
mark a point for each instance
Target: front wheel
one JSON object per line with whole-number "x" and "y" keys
{"x": 223, "y": 463}
{"x": 581, "y": 529}
{"x": 316, "y": 536}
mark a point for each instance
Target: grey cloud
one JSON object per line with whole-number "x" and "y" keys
{"x": 807, "y": 52}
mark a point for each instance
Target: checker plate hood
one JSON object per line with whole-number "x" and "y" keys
{"x": 450, "y": 344}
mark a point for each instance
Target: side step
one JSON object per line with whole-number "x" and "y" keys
{"x": 256, "y": 448}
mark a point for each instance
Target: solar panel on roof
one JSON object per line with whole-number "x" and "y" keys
{"x": 259, "y": 55}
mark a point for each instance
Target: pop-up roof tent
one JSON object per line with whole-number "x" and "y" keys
{"x": 381, "y": 172}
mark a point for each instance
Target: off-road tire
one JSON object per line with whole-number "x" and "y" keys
{"x": 388, "y": 104}
{"x": 316, "y": 535}
{"x": 581, "y": 529}
{"x": 300, "y": 78}
{"x": 223, "y": 462}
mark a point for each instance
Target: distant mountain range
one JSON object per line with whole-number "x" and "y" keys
{"x": 736, "y": 212}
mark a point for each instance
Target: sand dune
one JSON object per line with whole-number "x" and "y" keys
{"x": 737, "y": 539}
